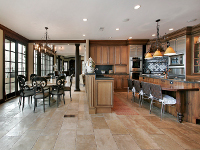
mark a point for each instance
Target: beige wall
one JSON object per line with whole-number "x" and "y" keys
{"x": 30, "y": 60}
{"x": 1, "y": 64}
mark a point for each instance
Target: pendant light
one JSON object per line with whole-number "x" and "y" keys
{"x": 170, "y": 51}
{"x": 148, "y": 56}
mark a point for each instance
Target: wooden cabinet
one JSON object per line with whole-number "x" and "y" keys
{"x": 98, "y": 55}
{"x": 111, "y": 60}
{"x": 197, "y": 58}
{"x": 120, "y": 81}
{"x": 121, "y": 55}
{"x": 105, "y": 55}
{"x": 93, "y": 53}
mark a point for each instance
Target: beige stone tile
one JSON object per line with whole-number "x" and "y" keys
{"x": 125, "y": 142}
{"x": 99, "y": 123}
{"x": 152, "y": 118}
{"x": 194, "y": 137}
{"x": 166, "y": 142}
{"x": 110, "y": 116}
{"x": 27, "y": 140}
{"x": 66, "y": 140}
{"x": 181, "y": 139}
{"x": 161, "y": 124}
{"x": 40, "y": 123}
{"x": 67, "y": 131}
{"x": 143, "y": 139}
{"x": 45, "y": 142}
{"x": 104, "y": 140}
{"x": 52, "y": 128}
{"x": 7, "y": 142}
{"x": 116, "y": 127}
{"x": 86, "y": 142}
{"x": 136, "y": 117}
{"x": 128, "y": 122}
{"x": 84, "y": 127}
{"x": 148, "y": 127}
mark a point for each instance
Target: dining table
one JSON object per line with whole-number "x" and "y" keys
{"x": 180, "y": 97}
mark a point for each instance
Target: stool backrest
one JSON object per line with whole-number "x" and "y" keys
{"x": 39, "y": 83}
{"x": 130, "y": 84}
{"x": 32, "y": 76}
{"x": 137, "y": 85}
{"x": 146, "y": 88}
{"x": 156, "y": 91}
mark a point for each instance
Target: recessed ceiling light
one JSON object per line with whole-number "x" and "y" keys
{"x": 130, "y": 37}
{"x": 171, "y": 29}
{"x": 117, "y": 29}
{"x": 84, "y": 19}
{"x": 153, "y": 34}
{"x": 110, "y": 37}
{"x": 83, "y": 34}
{"x": 137, "y": 7}
{"x": 68, "y": 44}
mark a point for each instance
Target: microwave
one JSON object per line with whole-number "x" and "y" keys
{"x": 176, "y": 60}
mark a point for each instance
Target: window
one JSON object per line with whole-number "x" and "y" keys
{"x": 65, "y": 66}
{"x": 21, "y": 60}
{"x": 35, "y": 61}
{"x": 9, "y": 66}
{"x": 46, "y": 64}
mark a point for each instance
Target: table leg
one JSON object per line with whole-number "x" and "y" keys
{"x": 180, "y": 104}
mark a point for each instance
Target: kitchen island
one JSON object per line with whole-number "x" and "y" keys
{"x": 189, "y": 102}
{"x": 99, "y": 93}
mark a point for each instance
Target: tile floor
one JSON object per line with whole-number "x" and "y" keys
{"x": 51, "y": 131}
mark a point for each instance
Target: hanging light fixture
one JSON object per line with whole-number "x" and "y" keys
{"x": 158, "y": 47}
{"x": 45, "y": 46}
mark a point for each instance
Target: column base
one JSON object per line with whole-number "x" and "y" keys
{"x": 77, "y": 90}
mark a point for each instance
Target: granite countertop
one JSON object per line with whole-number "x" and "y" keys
{"x": 193, "y": 80}
{"x": 104, "y": 78}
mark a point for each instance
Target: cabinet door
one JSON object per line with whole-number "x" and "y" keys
{"x": 99, "y": 55}
{"x": 124, "y": 55}
{"x": 117, "y": 55}
{"x": 115, "y": 82}
{"x": 93, "y": 53}
{"x": 111, "y": 59}
{"x": 119, "y": 82}
{"x": 125, "y": 82}
{"x": 105, "y": 51}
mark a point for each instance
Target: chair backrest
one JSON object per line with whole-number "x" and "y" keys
{"x": 32, "y": 76}
{"x": 22, "y": 77}
{"x": 156, "y": 91}
{"x": 60, "y": 81}
{"x": 71, "y": 78}
{"x": 146, "y": 88}
{"x": 39, "y": 83}
{"x": 130, "y": 84}
{"x": 21, "y": 81}
{"x": 137, "y": 85}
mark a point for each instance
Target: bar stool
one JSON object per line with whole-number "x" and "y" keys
{"x": 156, "y": 94}
{"x": 130, "y": 86}
{"x": 146, "y": 90}
{"x": 137, "y": 89}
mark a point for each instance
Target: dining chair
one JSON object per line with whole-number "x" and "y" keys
{"x": 146, "y": 91}
{"x": 156, "y": 94}
{"x": 137, "y": 89}
{"x": 68, "y": 88}
{"x": 39, "y": 84}
{"x": 58, "y": 89}
{"x": 130, "y": 87}
{"x": 32, "y": 76}
{"x": 25, "y": 91}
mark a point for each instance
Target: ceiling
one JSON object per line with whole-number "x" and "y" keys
{"x": 64, "y": 18}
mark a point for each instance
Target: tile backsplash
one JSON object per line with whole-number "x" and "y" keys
{"x": 103, "y": 67}
{"x": 156, "y": 65}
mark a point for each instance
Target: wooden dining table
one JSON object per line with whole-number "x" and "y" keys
{"x": 180, "y": 97}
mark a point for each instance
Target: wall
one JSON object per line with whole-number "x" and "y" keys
{"x": 1, "y": 64}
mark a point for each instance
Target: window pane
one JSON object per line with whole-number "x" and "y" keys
{"x": 19, "y": 48}
{"x": 7, "y": 56}
{"x": 19, "y": 66}
{"x": 19, "y": 57}
{"x": 7, "y": 78}
{"x": 13, "y": 46}
{"x": 12, "y": 87}
{"x": 24, "y": 49}
{"x": 7, "y": 44}
{"x": 7, "y": 66}
{"x": 7, "y": 88}
{"x": 12, "y": 57}
{"x": 12, "y": 67}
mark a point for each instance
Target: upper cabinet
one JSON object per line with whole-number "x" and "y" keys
{"x": 121, "y": 55}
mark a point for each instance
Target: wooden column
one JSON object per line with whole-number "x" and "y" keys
{"x": 77, "y": 68}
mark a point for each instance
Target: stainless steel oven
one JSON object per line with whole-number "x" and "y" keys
{"x": 176, "y": 60}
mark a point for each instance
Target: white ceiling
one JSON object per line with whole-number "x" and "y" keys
{"x": 64, "y": 18}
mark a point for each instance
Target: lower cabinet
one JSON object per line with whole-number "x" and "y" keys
{"x": 120, "y": 81}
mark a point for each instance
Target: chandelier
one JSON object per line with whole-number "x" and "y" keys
{"x": 44, "y": 46}
{"x": 157, "y": 47}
